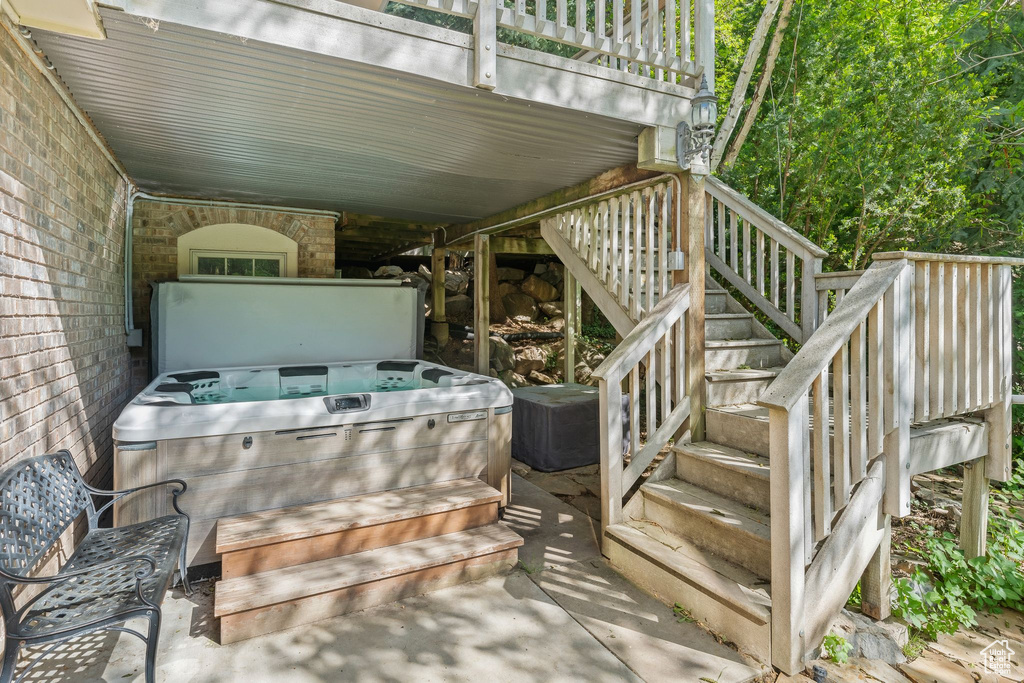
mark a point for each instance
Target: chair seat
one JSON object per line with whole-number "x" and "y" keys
{"x": 109, "y": 592}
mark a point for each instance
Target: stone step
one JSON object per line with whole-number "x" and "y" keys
{"x": 728, "y": 599}
{"x": 270, "y": 539}
{"x": 739, "y": 476}
{"x": 742, "y": 353}
{"x": 282, "y": 598}
{"x": 728, "y": 325}
{"x": 730, "y": 387}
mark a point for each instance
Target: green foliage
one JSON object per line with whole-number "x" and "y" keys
{"x": 960, "y": 586}
{"x": 836, "y": 648}
{"x": 914, "y": 647}
{"x": 682, "y": 614}
{"x": 598, "y": 329}
{"x": 893, "y": 125}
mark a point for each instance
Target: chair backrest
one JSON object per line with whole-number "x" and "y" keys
{"x": 40, "y": 498}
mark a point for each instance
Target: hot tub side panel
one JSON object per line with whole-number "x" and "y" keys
{"x": 238, "y": 473}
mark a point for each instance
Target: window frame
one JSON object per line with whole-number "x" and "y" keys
{"x": 279, "y": 256}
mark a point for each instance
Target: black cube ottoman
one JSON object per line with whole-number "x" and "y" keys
{"x": 555, "y": 426}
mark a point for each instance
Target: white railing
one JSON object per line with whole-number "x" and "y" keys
{"x": 916, "y": 337}
{"x": 647, "y": 37}
{"x": 649, "y": 368}
{"x": 832, "y": 287}
{"x": 625, "y": 243}
{"x": 771, "y": 264}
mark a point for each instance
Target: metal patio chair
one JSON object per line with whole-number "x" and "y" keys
{"x": 114, "y": 574}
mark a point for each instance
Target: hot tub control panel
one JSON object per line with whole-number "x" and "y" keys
{"x": 349, "y": 403}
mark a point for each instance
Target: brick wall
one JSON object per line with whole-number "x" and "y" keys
{"x": 156, "y": 227}
{"x": 64, "y": 365}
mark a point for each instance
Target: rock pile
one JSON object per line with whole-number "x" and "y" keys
{"x": 533, "y": 303}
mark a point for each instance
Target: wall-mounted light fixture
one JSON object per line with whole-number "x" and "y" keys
{"x": 693, "y": 139}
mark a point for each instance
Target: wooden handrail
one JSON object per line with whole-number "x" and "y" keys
{"x": 794, "y": 380}
{"x": 949, "y": 258}
{"x": 786, "y": 235}
{"x": 637, "y": 343}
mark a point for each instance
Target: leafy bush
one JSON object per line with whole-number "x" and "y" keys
{"x": 836, "y": 648}
{"x": 960, "y": 586}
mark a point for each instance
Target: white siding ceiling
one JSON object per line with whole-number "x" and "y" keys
{"x": 204, "y": 114}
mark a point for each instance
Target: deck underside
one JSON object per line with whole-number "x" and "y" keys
{"x": 296, "y": 107}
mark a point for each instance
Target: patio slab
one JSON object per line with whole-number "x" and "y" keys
{"x": 565, "y": 617}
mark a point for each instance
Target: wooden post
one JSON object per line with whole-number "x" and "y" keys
{"x": 570, "y": 301}
{"x": 898, "y": 393}
{"x": 876, "y": 582}
{"x": 974, "y": 520}
{"x": 691, "y": 242}
{"x": 485, "y": 39}
{"x": 704, "y": 41}
{"x": 999, "y": 416}
{"x": 438, "y": 324}
{"x": 482, "y": 304}
{"x": 788, "y": 434}
{"x": 809, "y": 320}
{"x": 610, "y": 421}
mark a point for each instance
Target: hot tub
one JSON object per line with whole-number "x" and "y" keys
{"x": 256, "y": 438}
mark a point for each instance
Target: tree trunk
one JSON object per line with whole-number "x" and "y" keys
{"x": 762, "y": 83}
{"x": 739, "y": 91}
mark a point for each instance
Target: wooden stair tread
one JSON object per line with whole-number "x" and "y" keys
{"x": 725, "y": 511}
{"x": 741, "y": 375}
{"x": 731, "y": 458}
{"x": 303, "y": 521}
{"x": 721, "y": 580}
{"x": 300, "y": 581}
{"x": 738, "y": 343}
{"x": 728, "y": 316}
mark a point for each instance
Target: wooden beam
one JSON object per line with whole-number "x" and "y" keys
{"x": 974, "y": 521}
{"x": 481, "y": 304}
{"x": 570, "y": 313}
{"x": 876, "y": 582}
{"x": 609, "y": 180}
{"x": 691, "y": 241}
{"x": 438, "y": 324}
{"x": 520, "y": 245}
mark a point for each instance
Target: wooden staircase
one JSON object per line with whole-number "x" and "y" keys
{"x": 763, "y": 528}
{"x": 296, "y": 565}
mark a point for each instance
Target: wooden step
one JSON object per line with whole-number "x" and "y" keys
{"x": 743, "y": 426}
{"x": 281, "y": 598}
{"x": 715, "y": 301}
{"x": 725, "y": 597}
{"x": 742, "y": 353}
{"x": 731, "y": 387}
{"x": 270, "y": 539}
{"x": 714, "y": 522}
{"x": 729, "y": 472}
{"x": 728, "y": 325}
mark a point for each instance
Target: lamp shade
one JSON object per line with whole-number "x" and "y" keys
{"x": 704, "y": 107}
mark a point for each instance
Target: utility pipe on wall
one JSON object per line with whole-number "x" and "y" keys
{"x": 135, "y": 336}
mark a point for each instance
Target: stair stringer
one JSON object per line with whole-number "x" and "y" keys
{"x": 606, "y": 302}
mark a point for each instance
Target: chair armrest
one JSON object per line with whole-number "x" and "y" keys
{"x": 118, "y": 495}
{"x": 141, "y": 573}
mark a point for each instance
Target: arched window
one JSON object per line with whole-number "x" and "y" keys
{"x": 237, "y": 249}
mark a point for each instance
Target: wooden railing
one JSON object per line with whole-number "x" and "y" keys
{"x": 649, "y": 368}
{"x": 832, "y": 287}
{"x": 624, "y": 241}
{"x": 771, "y": 264}
{"x": 916, "y": 337}
{"x": 651, "y": 38}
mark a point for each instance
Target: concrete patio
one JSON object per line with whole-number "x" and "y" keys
{"x": 564, "y": 615}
